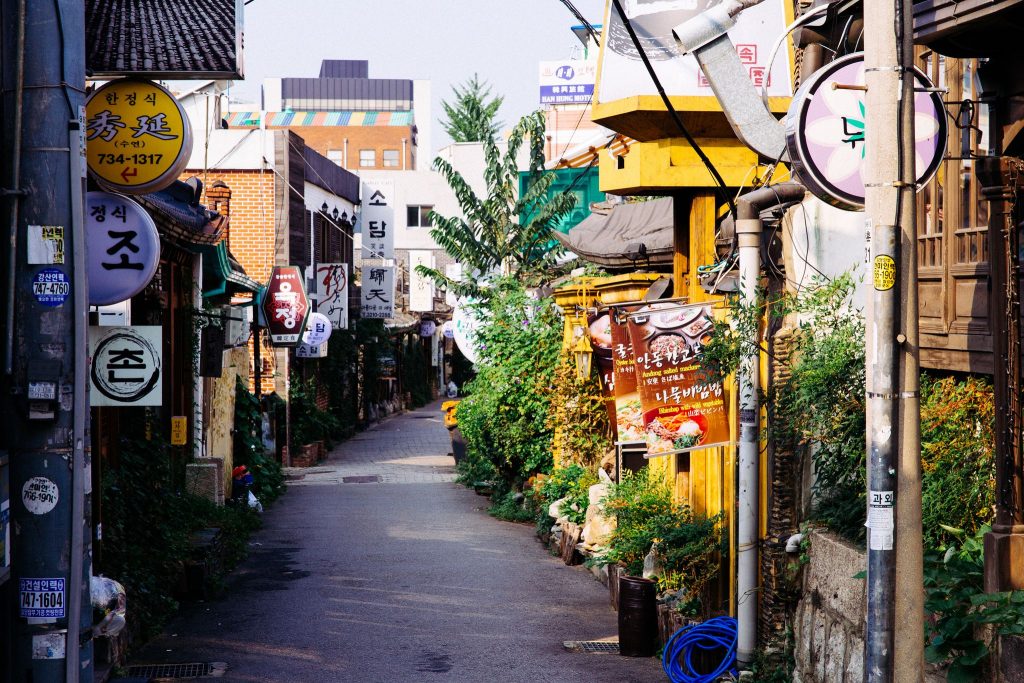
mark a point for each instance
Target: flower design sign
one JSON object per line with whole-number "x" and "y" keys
{"x": 825, "y": 132}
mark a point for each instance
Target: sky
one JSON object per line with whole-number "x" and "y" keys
{"x": 444, "y": 41}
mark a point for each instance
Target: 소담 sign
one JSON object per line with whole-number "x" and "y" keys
{"x": 683, "y": 408}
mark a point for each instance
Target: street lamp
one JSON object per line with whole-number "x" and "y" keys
{"x": 582, "y": 351}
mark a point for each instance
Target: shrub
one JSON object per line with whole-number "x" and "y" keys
{"x": 268, "y": 480}
{"x": 572, "y": 483}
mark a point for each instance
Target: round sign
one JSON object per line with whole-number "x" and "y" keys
{"x": 448, "y": 330}
{"x": 318, "y": 329}
{"x": 427, "y": 328}
{"x": 137, "y": 136}
{"x": 825, "y": 132}
{"x": 124, "y": 248}
{"x": 40, "y": 495}
{"x": 125, "y": 366}
{"x": 51, "y": 287}
{"x": 465, "y": 324}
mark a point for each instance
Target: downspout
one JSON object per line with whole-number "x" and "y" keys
{"x": 749, "y": 232}
{"x": 344, "y": 154}
{"x": 405, "y": 161}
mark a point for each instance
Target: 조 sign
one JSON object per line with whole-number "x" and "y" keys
{"x": 126, "y": 366}
{"x": 124, "y": 248}
{"x": 285, "y": 306}
{"x": 138, "y": 137}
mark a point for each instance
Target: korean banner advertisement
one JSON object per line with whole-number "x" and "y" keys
{"x": 629, "y": 416}
{"x": 683, "y": 407}
{"x": 601, "y": 341}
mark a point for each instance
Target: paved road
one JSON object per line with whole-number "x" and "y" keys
{"x": 407, "y": 579}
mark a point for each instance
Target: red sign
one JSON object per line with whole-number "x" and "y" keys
{"x": 285, "y": 306}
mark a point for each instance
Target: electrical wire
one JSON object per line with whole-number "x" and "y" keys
{"x": 579, "y": 17}
{"x": 800, "y": 21}
{"x": 712, "y": 636}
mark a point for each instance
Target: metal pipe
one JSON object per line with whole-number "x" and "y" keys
{"x": 12, "y": 227}
{"x": 749, "y": 232}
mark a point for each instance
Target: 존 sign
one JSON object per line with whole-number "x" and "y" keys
{"x": 378, "y": 300}
{"x": 378, "y": 219}
{"x": 285, "y": 306}
{"x": 138, "y": 137}
{"x": 825, "y": 132}
{"x": 124, "y": 248}
{"x": 332, "y": 293}
{"x": 126, "y": 366}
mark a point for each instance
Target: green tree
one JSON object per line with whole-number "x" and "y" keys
{"x": 470, "y": 118}
{"x": 488, "y": 237}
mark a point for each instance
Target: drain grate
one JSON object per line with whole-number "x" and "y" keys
{"x": 361, "y": 479}
{"x": 191, "y": 670}
{"x": 592, "y": 646}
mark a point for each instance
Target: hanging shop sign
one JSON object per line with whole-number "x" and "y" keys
{"x": 452, "y": 271}
{"x": 285, "y": 306}
{"x": 629, "y": 415}
{"x": 464, "y": 326}
{"x": 448, "y": 329}
{"x": 378, "y": 219}
{"x": 311, "y": 351}
{"x": 126, "y": 366}
{"x": 683, "y": 407}
{"x": 428, "y": 328}
{"x": 124, "y": 248}
{"x": 825, "y": 132}
{"x": 138, "y": 137}
{"x": 318, "y": 330}
{"x": 600, "y": 332}
{"x": 421, "y": 287}
{"x": 378, "y": 292}
{"x": 568, "y": 82}
{"x": 332, "y": 293}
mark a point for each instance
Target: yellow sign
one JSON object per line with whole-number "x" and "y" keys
{"x": 179, "y": 431}
{"x": 138, "y": 138}
{"x": 885, "y": 273}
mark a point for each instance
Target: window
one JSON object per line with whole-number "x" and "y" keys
{"x": 391, "y": 158}
{"x": 367, "y": 158}
{"x": 335, "y": 155}
{"x": 418, "y": 216}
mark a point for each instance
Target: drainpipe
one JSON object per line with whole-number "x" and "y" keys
{"x": 344, "y": 154}
{"x": 405, "y": 163}
{"x": 748, "y": 232}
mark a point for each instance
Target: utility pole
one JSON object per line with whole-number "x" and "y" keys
{"x": 46, "y": 407}
{"x": 893, "y": 643}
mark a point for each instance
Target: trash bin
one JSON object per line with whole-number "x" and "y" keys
{"x": 451, "y": 422}
{"x": 638, "y": 617}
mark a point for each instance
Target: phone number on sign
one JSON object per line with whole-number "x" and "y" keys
{"x": 140, "y": 159}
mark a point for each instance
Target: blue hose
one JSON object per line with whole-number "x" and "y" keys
{"x": 712, "y": 635}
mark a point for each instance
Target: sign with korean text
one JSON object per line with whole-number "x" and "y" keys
{"x": 332, "y": 293}
{"x": 311, "y": 351}
{"x": 568, "y": 82}
{"x": 126, "y": 366}
{"x": 378, "y": 219}
{"x": 179, "y": 430}
{"x": 318, "y": 330}
{"x": 683, "y": 407}
{"x": 629, "y": 415}
{"x": 600, "y": 333}
{"x": 137, "y": 136}
{"x": 285, "y": 306}
{"x": 421, "y": 288}
{"x": 378, "y": 300}
{"x": 41, "y": 598}
{"x": 624, "y": 75}
{"x": 124, "y": 248}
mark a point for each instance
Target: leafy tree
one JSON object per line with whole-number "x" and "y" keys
{"x": 488, "y": 237}
{"x": 470, "y": 118}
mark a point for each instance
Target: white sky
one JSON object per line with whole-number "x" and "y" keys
{"x": 444, "y": 41}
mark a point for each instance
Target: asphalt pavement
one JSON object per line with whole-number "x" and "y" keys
{"x": 377, "y": 567}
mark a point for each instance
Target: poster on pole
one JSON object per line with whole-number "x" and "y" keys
{"x": 378, "y": 292}
{"x": 629, "y": 415}
{"x": 332, "y": 293}
{"x": 421, "y": 288}
{"x": 683, "y": 405}
{"x": 378, "y": 219}
{"x": 126, "y": 366}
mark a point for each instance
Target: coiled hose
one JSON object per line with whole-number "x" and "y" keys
{"x": 710, "y": 636}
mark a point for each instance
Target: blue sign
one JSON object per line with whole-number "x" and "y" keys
{"x": 41, "y": 598}
{"x": 51, "y": 287}
{"x": 566, "y": 94}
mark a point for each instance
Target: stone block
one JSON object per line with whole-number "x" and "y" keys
{"x": 834, "y": 562}
{"x": 204, "y": 479}
{"x": 819, "y": 645}
{"x": 855, "y": 660}
{"x": 835, "y": 654}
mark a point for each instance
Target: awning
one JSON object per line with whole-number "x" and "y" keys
{"x": 180, "y": 216}
{"x": 612, "y": 240}
{"x": 222, "y": 274}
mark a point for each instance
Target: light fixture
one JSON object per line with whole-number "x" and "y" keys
{"x": 323, "y": 208}
{"x": 335, "y": 214}
{"x": 582, "y": 351}
{"x": 344, "y": 216}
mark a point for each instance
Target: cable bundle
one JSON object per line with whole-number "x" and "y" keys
{"x": 710, "y": 636}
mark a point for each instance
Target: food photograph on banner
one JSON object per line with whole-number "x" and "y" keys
{"x": 684, "y": 408}
{"x": 599, "y": 328}
{"x": 629, "y": 414}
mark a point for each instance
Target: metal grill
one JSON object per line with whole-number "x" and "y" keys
{"x": 172, "y": 671}
{"x": 361, "y": 479}
{"x": 603, "y": 647}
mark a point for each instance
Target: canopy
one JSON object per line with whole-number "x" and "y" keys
{"x": 606, "y": 238}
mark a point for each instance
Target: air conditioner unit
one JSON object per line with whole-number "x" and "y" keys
{"x": 239, "y": 326}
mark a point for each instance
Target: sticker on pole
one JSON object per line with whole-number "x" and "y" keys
{"x": 884, "y": 271}
{"x": 49, "y": 646}
{"x": 51, "y": 287}
{"x": 41, "y": 598}
{"x": 40, "y": 495}
{"x": 881, "y": 521}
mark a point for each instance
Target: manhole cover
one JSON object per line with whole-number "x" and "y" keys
{"x": 172, "y": 671}
{"x": 592, "y": 646}
{"x": 361, "y": 479}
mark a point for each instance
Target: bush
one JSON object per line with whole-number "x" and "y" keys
{"x": 572, "y": 483}
{"x": 268, "y": 480}
{"x": 513, "y": 507}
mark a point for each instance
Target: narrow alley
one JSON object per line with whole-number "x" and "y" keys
{"x": 377, "y": 567}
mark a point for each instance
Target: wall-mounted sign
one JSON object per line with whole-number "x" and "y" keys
{"x": 332, "y": 293}
{"x": 378, "y": 219}
{"x": 172, "y": 39}
{"x": 825, "y": 132}
{"x": 41, "y": 598}
{"x": 568, "y": 82}
{"x": 137, "y": 138}
{"x": 51, "y": 287}
{"x": 378, "y": 299}
{"x": 126, "y": 366}
{"x": 311, "y": 351}
{"x": 623, "y": 74}
{"x": 285, "y": 306}
{"x": 421, "y": 288}
{"x": 318, "y": 330}
{"x": 179, "y": 430}
{"x": 124, "y": 248}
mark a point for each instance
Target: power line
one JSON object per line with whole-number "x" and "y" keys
{"x": 579, "y": 17}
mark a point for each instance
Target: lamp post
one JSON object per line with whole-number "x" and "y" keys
{"x": 582, "y": 351}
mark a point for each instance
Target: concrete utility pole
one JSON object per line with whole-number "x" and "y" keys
{"x": 893, "y": 642}
{"x": 46, "y": 407}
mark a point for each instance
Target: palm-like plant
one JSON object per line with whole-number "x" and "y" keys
{"x": 488, "y": 238}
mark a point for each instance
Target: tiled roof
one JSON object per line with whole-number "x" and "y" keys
{"x": 251, "y": 119}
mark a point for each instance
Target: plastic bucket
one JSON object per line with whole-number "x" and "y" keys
{"x": 638, "y": 617}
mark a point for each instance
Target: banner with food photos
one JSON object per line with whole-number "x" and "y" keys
{"x": 683, "y": 406}
{"x": 599, "y": 323}
{"x": 629, "y": 416}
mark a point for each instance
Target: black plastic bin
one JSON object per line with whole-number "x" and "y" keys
{"x": 638, "y": 617}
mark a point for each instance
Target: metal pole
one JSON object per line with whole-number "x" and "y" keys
{"x": 46, "y": 409}
{"x": 889, "y": 204}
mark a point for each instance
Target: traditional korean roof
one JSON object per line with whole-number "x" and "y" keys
{"x": 179, "y": 215}
{"x": 251, "y": 119}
